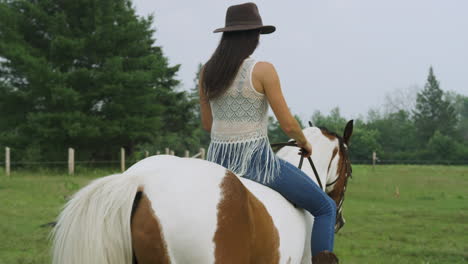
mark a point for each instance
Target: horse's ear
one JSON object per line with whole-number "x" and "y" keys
{"x": 310, "y": 124}
{"x": 348, "y": 131}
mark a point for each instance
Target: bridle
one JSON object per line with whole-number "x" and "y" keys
{"x": 312, "y": 165}
{"x": 301, "y": 161}
{"x": 348, "y": 174}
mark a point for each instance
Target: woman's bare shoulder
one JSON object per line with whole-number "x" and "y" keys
{"x": 264, "y": 69}
{"x": 264, "y": 66}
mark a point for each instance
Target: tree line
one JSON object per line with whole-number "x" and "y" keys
{"x": 433, "y": 129}
{"x": 89, "y": 74}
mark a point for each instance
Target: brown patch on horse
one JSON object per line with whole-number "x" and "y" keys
{"x": 328, "y": 134}
{"x": 148, "y": 242}
{"x": 344, "y": 170}
{"x": 340, "y": 186}
{"x": 245, "y": 232}
{"x": 335, "y": 151}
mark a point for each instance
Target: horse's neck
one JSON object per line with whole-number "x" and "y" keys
{"x": 322, "y": 151}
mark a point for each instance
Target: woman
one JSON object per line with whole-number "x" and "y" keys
{"x": 235, "y": 92}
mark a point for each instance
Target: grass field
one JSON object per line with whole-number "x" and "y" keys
{"x": 426, "y": 224}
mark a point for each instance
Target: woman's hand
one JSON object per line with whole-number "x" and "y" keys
{"x": 306, "y": 149}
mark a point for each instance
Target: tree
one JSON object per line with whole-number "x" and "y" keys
{"x": 84, "y": 74}
{"x": 396, "y": 134}
{"x": 199, "y": 133}
{"x": 333, "y": 122}
{"x": 460, "y": 104}
{"x": 194, "y": 92}
{"x": 363, "y": 143}
{"x": 401, "y": 99}
{"x": 432, "y": 111}
{"x": 276, "y": 133}
{"x": 463, "y": 124}
{"x": 441, "y": 147}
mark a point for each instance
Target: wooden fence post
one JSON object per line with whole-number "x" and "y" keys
{"x": 122, "y": 159}
{"x": 187, "y": 154}
{"x": 7, "y": 161}
{"x": 168, "y": 152}
{"x": 71, "y": 161}
{"x": 374, "y": 159}
{"x": 172, "y": 153}
{"x": 146, "y": 154}
{"x": 202, "y": 151}
{"x": 158, "y": 152}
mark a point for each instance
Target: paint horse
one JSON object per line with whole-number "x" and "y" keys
{"x": 166, "y": 209}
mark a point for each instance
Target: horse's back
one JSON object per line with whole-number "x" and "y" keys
{"x": 207, "y": 215}
{"x": 184, "y": 194}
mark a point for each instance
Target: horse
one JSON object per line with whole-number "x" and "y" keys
{"x": 165, "y": 209}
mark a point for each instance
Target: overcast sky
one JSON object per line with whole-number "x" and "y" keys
{"x": 328, "y": 53}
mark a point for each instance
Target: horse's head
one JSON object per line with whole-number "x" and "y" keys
{"x": 339, "y": 169}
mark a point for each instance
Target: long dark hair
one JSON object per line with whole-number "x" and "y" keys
{"x": 221, "y": 69}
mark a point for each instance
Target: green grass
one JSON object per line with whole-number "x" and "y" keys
{"x": 426, "y": 224}
{"x": 27, "y": 201}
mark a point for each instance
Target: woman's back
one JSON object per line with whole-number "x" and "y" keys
{"x": 241, "y": 112}
{"x": 239, "y": 131}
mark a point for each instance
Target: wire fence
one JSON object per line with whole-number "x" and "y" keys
{"x": 125, "y": 162}
{"x": 375, "y": 160}
{"x": 71, "y": 163}
{"x": 410, "y": 162}
{"x": 356, "y": 162}
{"x": 360, "y": 162}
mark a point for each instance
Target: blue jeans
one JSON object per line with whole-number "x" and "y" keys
{"x": 294, "y": 185}
{"x": 300, "y": 190}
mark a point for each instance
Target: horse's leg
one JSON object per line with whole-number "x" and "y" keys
{"x": 245, "y": 231}
{"x": 148, "y": 242}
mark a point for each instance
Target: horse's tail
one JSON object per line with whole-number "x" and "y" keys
{"x": 94, "y": 227}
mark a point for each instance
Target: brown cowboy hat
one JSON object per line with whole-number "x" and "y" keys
{"x": 244, "y": 17}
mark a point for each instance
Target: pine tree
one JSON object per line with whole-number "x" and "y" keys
{"x": 433, "y": 112}
{"x": 83, "y": 74}
{"x": 463, "y": 125}
{"x": 202, "y": 135}
{"x": 194, "y": 92}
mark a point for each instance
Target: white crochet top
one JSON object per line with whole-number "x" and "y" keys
{"x": 239, "y": 135}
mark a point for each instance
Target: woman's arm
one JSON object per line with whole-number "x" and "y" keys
{"x": 205, "y": 108}
{"x": 270, "y": 85}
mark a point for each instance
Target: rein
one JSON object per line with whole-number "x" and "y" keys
{"x": 294, "y": 144}
{"x": 347, "y": 174}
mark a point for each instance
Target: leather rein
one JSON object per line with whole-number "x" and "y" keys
{"x": 294, "y": 144}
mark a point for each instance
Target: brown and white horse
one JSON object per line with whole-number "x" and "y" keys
{"x": 166, "y": 209}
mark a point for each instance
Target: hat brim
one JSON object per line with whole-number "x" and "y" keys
{"x": 263, "y": 29}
